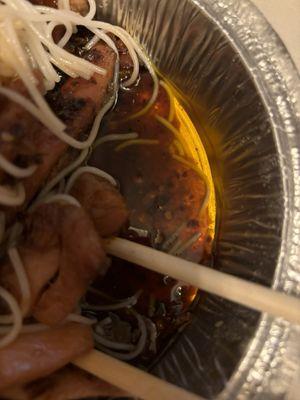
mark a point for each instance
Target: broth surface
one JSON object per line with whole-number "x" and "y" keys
{"x": 163, "y": 175}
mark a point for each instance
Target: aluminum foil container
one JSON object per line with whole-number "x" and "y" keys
{"x": 243, "y": 93}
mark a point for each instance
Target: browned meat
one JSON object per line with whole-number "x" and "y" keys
{"x": 103, "y": 203}
{"x": 76, "y": 102}
{"x": 58, "y": 31}
{"x": 81, "y": 259}
{"x": 69, "y": 383}
{"x": 60, "y": 245}
{"x": 13, "y": 122}
{"x": 36, "y": 355}
{"x": 40, "y": 265}
{"x": 80, "y": 6}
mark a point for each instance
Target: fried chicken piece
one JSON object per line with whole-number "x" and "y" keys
{"x": 102, "y": 201}
{"x": 36, "y": 355}
{"x": 62, "y": 255}
{"x": 25, "y": 141}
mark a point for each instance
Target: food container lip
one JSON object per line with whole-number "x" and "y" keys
{"x": 277, "y": 82}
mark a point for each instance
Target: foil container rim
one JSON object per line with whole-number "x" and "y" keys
{"x": 270, "y": 358}
{"x": 275, "y": 62}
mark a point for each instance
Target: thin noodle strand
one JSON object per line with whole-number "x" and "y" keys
{"x": 90, "y": 170}
{"x": 16, "y": 318}
{"x": 23, "y": 281}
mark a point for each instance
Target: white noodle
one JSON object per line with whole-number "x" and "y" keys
{"x": 16, "y": 318}
{"x": 150, "y": 68}
{"x": 17, "y": 3}
{"x": 94, "y": 131}
{"x": 139, "y": 347}
{"x": 105, "y": 38}
{"x": 132, "y": 47}
{"x": 32, "y": 61}
{"x": 169, "y": 126}
{"x": 22, "y": 278}
{"x": 90, "y": 140}
{"x": 115, "y": 137}
{"x": 21, "y": 63}
{"x": 62, "y": 67}
{"x": 174, "y": 237}
{"x": 63, "y": 136}
{"x": 65, "y": 198}
{"x": 63, "y": 173}
{"x": 67, "y": 35}
{"x": 92, "y": 43}
{"x": 42, "y": 60}
{"x": 26, "y": 43}
{"x": 81, "y": 319}
{"x": 27, "y": 76}
{"x": 80, "y": 63}
{"x": 136, "y": 142}
{"x": 90, "y": 170}
{"x": 92, "y": 12}
{"x": 15, "y": 171}
{"x": 180, "y": 246}
{"x": 14, "y": 44}
{"x": 12, "y": 196}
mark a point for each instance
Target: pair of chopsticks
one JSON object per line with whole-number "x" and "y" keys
{"x": 132, "y": 380}
{"x": 144, "y": 385}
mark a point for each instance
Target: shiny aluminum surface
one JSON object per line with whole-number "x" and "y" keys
{"x": 243, "y": 93}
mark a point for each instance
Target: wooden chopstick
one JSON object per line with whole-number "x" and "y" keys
{"x": 238, "y": 290}
{"x": 133, "y": 380}
{"x": 146, "y": 386}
